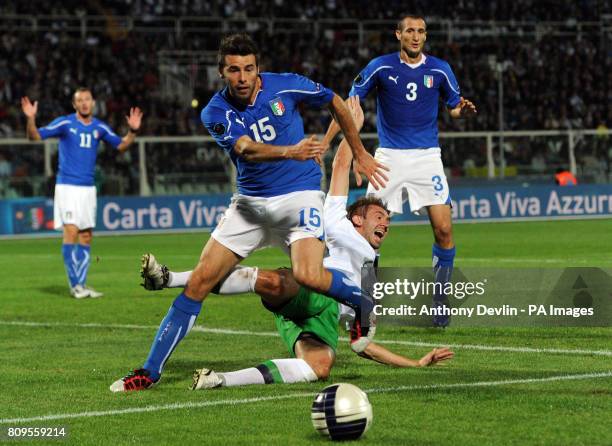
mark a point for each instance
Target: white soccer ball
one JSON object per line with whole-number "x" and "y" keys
{"x": 341, "y": 412}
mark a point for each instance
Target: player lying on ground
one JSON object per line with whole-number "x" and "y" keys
{"x": 307, "y": 321}
{"x": 256, "y": 120}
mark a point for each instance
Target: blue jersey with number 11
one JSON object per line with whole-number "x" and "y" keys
{"x": 407, "y": 101}
{"x": 273, "y": 118}
{"x": 78, "y": 147}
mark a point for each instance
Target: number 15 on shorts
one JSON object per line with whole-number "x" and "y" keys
{"x": 310, "y": 218}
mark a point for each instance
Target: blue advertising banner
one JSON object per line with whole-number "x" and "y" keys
{"x": 120, "y": 214}
{"x": 512, "y": 203}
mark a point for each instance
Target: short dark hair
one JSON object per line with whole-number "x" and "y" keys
{"x": 239, "y": 44}
{"x": 361, "y": 205}
{"x": 400, "y": 22}
{"x": 80, "y": 90}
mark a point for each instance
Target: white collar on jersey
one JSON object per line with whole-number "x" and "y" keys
{"x": 414, "y": 65}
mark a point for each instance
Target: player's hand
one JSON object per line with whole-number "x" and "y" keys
{"x": 134, "y": 120}
{"x": 307, "y": 148}
{"x": 435, "y": 356}
{"x": 29, "y": 109}
{"x": 466, "y": 108}
{"x": 356, "y": 111}
{"x": 320, "y": 158}
{"x": 372, "y": 169}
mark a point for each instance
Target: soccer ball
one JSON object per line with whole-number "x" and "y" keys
{"x": 341, "y": 412}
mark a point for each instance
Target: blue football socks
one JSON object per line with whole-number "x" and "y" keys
{"x": 83, "y": 260}
{"x": 175, "y": 326}
{"x": 344, "y": 290}
{"x": 347, "y": 292}
{"x": 443, "y": 260}
{"x": 70, "y": 262}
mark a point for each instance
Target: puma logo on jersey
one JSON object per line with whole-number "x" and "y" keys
{"x": 241, "y": 122}
{"x": 394, "y": 79}
{"x": 73, "y": 131}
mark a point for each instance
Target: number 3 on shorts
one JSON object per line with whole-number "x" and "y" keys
{"x": 437, "y": 183}
{"x": 313, "y": 220}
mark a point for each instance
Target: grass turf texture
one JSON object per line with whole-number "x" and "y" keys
{"x": 67, "y": 368}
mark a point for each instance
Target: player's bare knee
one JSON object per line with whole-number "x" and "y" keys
{"x": 270, "y": 283}
{"x": 322, "y": 370}
{"x": 199, "y": 285}
{"x": 443, "y": 234}
{"x": 320, "y": 364}
{"x": 85, "y": 237}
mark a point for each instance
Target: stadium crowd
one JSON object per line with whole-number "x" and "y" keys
{"x": 551, "y": 81}
{"x": 528, "y": 10}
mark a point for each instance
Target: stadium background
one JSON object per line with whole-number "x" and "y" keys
{"x": 506, "y": 385}
{"x": 551, "y": 59}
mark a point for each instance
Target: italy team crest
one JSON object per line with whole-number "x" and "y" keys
{"x": 96, "y": 134}
{"x": 277, "y": 106}
{"x": 428, "y": 80}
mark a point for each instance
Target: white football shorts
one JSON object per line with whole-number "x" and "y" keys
{"x": 416, "y": 175}
{"x": 74, "y": 205}
{"x": 252, "y": 223}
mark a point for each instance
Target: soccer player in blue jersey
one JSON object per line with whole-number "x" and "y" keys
{"x": 409, "y": 84}
{"x": 74, "y": 204}
{"x": 256, "y": 120}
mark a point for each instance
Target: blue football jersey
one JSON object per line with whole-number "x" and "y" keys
{"x": 407, "y": 99}
{"x": 78, "y": 147}
{"x": 273, "y": 118}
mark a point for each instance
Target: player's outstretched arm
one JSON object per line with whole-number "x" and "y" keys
{"x": 331, "y": 133}
{"x": 364, "y": 162}
{"x": 465, "y": 109}
{"x": 378, "y": 353}
{"x": 339, "y": 184}
{"x": 134, "y": 121}
{"x": 255, "y": 152}
{"x": 30, "y": 109}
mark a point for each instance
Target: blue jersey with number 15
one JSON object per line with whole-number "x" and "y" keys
{"x": 273, "y": 118}
{"x": 78, "y": 147}
{"x": 407, "y": 99}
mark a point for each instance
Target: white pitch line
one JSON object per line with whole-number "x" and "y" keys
{"x": 226, "y": 331}
{"x": 236, "y": 402}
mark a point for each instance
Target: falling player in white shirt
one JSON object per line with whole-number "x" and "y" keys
{"x": 308, "y": 321}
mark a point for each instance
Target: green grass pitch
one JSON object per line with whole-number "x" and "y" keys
{"x": 59, "y": 355}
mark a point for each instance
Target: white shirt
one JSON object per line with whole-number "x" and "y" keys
{"x": 348, "y": 251}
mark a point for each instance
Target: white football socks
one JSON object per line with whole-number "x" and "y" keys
{"x": 289, "y": 370}
{"x": 178, "y": 280}
{"x": 240, "y": 280}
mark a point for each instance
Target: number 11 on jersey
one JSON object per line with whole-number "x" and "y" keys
{"x": 85, "y": 140}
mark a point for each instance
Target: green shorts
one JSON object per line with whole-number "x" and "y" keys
{"x": 308, "y": 312}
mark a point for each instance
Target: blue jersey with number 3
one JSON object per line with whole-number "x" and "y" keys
{"x": 273, "y": 118}
{"x": 407, "y": 99}
{"x": 78, "y": 147}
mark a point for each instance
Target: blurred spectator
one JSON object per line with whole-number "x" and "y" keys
{"x": 5, "y": 166}
{"x": 564, "y": 177}
{"x": 545, "y": 87}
